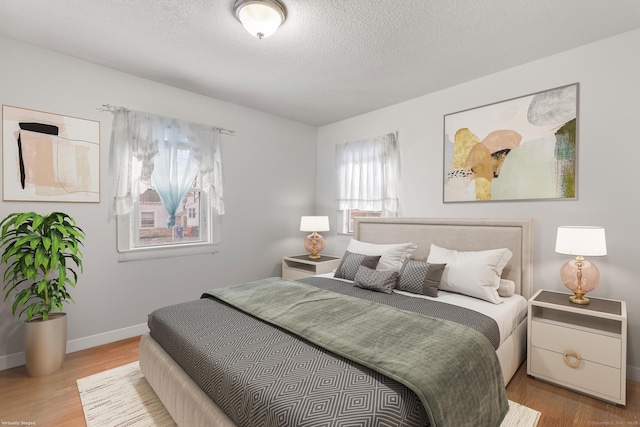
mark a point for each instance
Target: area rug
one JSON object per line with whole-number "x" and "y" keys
{"x": 122, "y": 397}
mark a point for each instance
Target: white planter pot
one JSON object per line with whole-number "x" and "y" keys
{"x": 45, "y": 344}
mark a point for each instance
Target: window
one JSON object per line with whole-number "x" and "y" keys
{"x": 187, "y": 227}
{"x": 367, "y": 176}
{"x": 347, "y": 217}
{"x": 167, "y": 195}
{"x": 147, "y": 218}
{"x": 149, "y": 232}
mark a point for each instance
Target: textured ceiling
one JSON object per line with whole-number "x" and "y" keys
{"x": 331, "y": 59}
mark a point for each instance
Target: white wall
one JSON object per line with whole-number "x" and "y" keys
{"x": 268, "y": 186}
{"x": 609, "y": 147}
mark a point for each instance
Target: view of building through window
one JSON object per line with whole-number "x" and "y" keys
{"x": 152, "y": 224}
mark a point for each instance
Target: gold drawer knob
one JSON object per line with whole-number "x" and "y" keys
{"x": 574, "y": 355}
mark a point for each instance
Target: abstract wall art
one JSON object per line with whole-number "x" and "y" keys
{"x": 520, "y": 149}
{"x": 49, "y": 157}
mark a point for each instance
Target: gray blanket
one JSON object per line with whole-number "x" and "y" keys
{"x": 451, "y": 368}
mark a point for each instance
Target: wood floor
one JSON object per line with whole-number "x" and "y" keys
{"x": 53, "y": 401}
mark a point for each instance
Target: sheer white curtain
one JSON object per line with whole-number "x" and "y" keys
{"x": 149, "y": 151}
{"x": 368, "y": 173}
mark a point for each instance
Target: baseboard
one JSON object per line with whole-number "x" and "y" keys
{"x": 633, "y": 373}
{"x": 106, "y": 337}
{"x": 17, "y": 359}
{"x": 11, "y": 361}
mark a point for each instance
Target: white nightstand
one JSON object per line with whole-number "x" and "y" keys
{"x": 300, "y": 266}
{"x": 581, "y": 347}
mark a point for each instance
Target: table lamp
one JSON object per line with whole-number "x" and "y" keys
{"x": 314, "y": 242}
{"x": 579, "y": 275}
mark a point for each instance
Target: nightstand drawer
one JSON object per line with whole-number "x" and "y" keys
{"x": 591, "y": 377}
{"x": 594, "y": 347}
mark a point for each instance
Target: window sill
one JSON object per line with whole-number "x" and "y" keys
{"x": 167, "y": 252}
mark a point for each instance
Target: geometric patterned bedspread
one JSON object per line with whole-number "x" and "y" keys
{"x": 261, "y": 375}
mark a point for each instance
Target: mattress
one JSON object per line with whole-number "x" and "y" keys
{"x": 304, "y": 381}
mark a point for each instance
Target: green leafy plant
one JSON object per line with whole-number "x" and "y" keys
{"x": 42, "y": 253}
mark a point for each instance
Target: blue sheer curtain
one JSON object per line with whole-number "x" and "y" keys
{"x": 174, "y": 171}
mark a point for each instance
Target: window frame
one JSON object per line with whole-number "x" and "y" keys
{"x": 346, "y": 219}
{"x": 127, "y": 235}
{"x": 126, "y": 253}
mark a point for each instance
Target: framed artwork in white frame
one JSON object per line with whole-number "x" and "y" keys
{"x": 49, "y": 157}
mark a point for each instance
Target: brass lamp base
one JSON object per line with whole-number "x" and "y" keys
{"x": 579, "y": 298}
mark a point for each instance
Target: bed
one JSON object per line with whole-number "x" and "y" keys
{"x": 190, "y": 404}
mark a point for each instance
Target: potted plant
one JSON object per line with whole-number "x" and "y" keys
{"x": 41, "y": 253}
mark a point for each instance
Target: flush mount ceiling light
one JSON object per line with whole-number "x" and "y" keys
{"x": 261, "y": 18}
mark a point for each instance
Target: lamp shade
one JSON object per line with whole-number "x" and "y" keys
{"x": 261, "y": 18}
{"x": 583, "y": 241}
{"x": 314, "y": 223}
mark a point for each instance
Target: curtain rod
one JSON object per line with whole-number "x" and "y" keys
{"x": 113, "y": 108}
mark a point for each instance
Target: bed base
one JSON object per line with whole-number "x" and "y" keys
{"x": 187, "y": 404}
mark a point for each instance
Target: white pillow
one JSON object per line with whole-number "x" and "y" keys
{"x": 507, "y": 288}
{"x": 392, "y": 256}
{"x": 473, "y": 273}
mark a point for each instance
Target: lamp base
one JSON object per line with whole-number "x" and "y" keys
{"x": 580, "y": 277}
{"x": 579, "y": 298}
{"x": 314, "y": 243}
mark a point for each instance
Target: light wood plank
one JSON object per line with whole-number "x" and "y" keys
{"x": 562, "y": 407}
{"x": 54, "y": 400}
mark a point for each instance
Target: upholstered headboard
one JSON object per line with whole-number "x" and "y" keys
{"x": 466, "y": 234}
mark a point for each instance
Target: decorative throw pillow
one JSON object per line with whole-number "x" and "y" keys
{"x": 351, "y": 261}
{"x": 392, "y": 255}
{"x": 420, "y": 277}
{"x": 375, "y": 280}
{"x": 472, "y": 273}
{"x": 507, "y": 288}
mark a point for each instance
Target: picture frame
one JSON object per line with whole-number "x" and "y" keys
{"x": 49, "y": 157}
{"x": 524, "y": 148}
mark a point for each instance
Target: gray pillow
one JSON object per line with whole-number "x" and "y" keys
{"x": 376, "y": 280}
{"x": 350, "y": 262}
{"x": 420, "y": 277}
